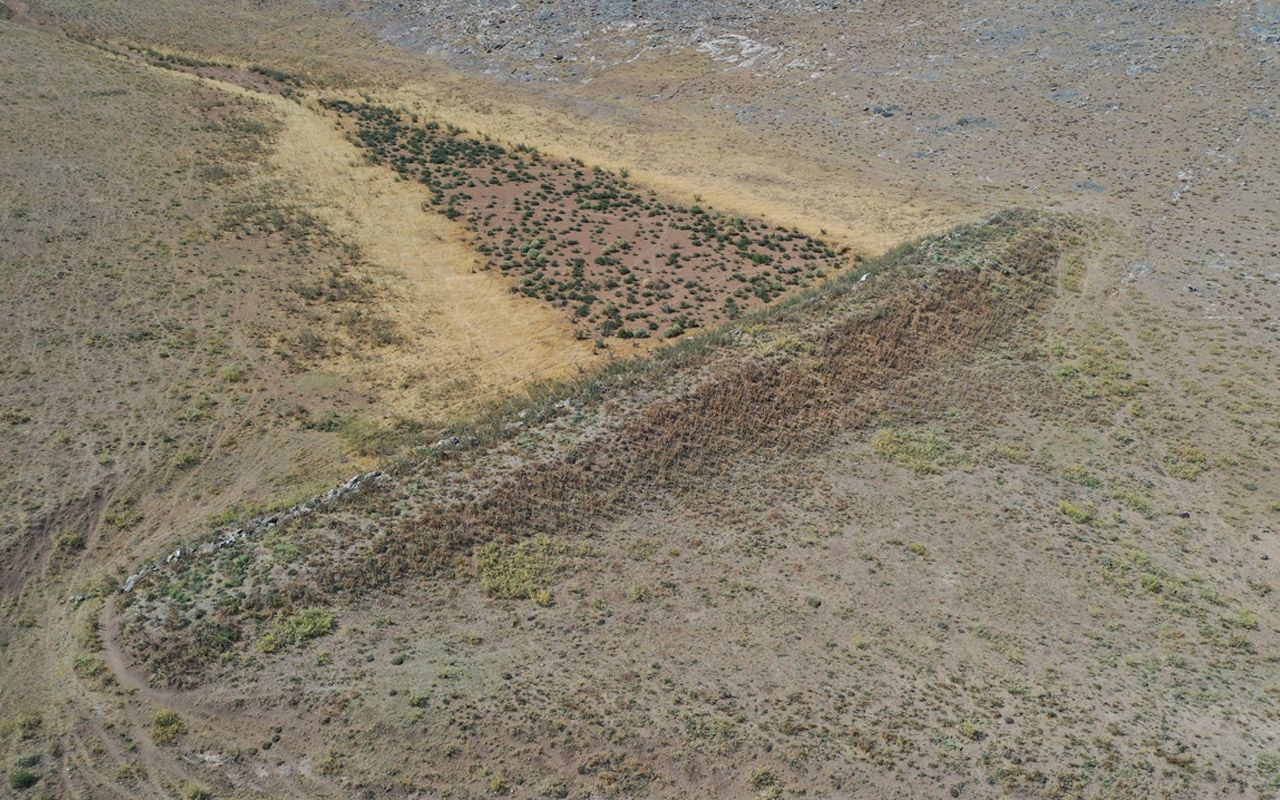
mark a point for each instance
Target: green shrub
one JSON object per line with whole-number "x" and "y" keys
{"x": 193, "y": 791}
{"x": 166, "y": 726}
{"x": 69, "y": 541}
{"x": 1186, "y": 463}
{"x": 309, "y": 623}
{"x": 924, "y": 453}
{"x": 29, "y": 725}
{"x": 523, "y": 570}
{"x": 969, "y": 730}
{"x": 642, "y": 549}
{"x": 761, "y": 778}
{"x": 1080, "y": 514}
{"x": 1131, "y": 498}
{"x": 1076, "y": 473}
{"x": 23, "y": 779}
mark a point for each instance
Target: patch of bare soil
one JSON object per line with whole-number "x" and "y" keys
{"x": 618, "y": 260}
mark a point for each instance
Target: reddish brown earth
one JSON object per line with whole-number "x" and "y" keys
{"x": 618, "y": 259}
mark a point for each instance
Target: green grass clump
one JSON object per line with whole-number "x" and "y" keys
{"x": 523, "y": 570}
{"x": 761, "y": 778}
{"x": 1076, "y": 473}
{"x": 194, "y": 791}
{"x": 1081, "y": 514}
{"x": 1186, "y": 463}
{"x": 68, "y": 542}
{"x": 1013, "y": 452}
{"x": 1131, "y": 498}
{"x": 715, "y": 734}
{"x": 166, "y": 726}
{"x": 23, "y": 779}
{"x": 29, "y": 725}
{"x": 309, "y": 623}
{"x": 362, "y": 435}
{"x": 642, "y": 549}
{"x": 924, "y": 453}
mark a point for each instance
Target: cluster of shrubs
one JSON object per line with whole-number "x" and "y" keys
{"x": 619, "y": 260}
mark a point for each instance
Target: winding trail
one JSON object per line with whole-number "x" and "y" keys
{"x": 211, "y": 729}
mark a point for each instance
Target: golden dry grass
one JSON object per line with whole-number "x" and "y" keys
{"x": 469, "y": 340}
{"x": 689, "y": 157}
{"x": 614, "y": 121}
{"x": 472, "y": 340}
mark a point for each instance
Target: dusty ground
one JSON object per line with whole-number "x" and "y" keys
{"x": 1042, "y": 567}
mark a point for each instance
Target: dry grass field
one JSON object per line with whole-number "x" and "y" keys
{"x": 971, "y": 491}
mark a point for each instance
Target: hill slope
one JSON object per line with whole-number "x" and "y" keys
{"x": 896, "y": 534}
{"x": 998, "y": 520}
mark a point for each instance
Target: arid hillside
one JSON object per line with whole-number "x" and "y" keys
{"x": 563, "y": 399}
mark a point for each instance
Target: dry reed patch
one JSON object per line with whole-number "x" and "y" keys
{"x": 868, "y": 362}
{"x": 854, "y": 354}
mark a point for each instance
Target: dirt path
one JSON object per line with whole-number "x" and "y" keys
{"x": 210, "y": 729}
{"x": 122, "y": 666}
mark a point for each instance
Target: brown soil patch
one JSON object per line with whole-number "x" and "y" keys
{"x": 616, "y": 259}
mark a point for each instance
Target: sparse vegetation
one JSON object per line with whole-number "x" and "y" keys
{"x": 923, "y": 452}
{"x": 609, "y": 254}
{"x": 1080, "y": 514}
{"x": 524, "y": 570}
{"x": 194, "y": 791}
{"x": 166, "y": 726}
{"x": 293, "y": 630}
{"x": 1186, "y": 463}
{"x": 994, "y": 521}
{"x": 20, "y": 779}
{"x": 761, "y": 778}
